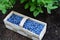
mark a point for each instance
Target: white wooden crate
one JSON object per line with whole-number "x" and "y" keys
{"x": 19, "y": 29}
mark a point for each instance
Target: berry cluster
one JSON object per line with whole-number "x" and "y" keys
{"x": 15, "y": 19}
{"x": 33, "y": 26}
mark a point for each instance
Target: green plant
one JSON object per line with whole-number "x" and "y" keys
{"x": 6, "y": 4}
{"x": 36, "y": 5}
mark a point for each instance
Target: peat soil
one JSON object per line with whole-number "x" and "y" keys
{"x": 52, "y": 20}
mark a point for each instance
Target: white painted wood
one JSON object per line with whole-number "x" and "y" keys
{"x": 23, "y": 21}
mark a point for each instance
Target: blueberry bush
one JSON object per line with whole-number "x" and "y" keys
{"x": 36, "y": 5}
{"x": 6, "y": 4}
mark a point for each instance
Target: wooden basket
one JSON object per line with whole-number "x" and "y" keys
{"x": 19, "y": 29}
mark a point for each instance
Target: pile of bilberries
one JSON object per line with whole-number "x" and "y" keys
{"x": 33, "y": 26}
{"x": 15, "y": 19}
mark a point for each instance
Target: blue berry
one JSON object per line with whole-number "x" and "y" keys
{"x": 15, "y": 19}
{"x": 33, "y": 26}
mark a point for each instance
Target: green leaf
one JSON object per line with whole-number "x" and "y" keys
{"x": 6, "y": 4}
{"x": 32, "y": 8}
{"x": 35, "y": 13}
{"x": 49, "y": 1}
{"x": 54, "y": 7}
{"x": 33, "y": 0}
{"x": 2, "y": 7}
{"x": 38, "y": 1}
{"x": 12, "y": 1}
{"x": 26, "y": 5}
{"x": 22, "y": 1}
{"x": 4, "y": 11}
{"x": 40, "y": 10}
{"x": 48, "y": 10}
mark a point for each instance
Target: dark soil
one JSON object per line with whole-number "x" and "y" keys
{"x": 53, "y": 27}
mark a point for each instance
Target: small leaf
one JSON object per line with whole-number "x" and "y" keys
{"x": 32, "y": 8}
{"x": 6, "y": 4}
{"x": 4, "y": 11}
{"x": 40, "y": 10}
{"x": 35, "y": 13}
{"x": 54, "y": 7}
{"x": 13, "y": 1}
{"x": 38, "y": 1}
{"x": 22, "y": 1}
{"x": 49, "y": 11}
{"x": 2, "y": 7}
{"x": 26, "y": 5}
{"x": 33, "y": 0}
